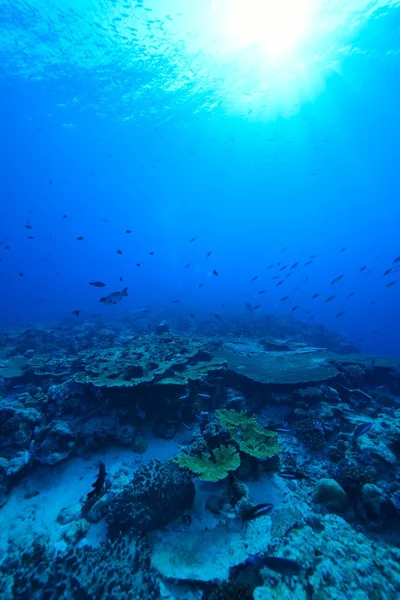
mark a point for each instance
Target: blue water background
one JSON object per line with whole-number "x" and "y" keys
{"x": 121, "y": 132}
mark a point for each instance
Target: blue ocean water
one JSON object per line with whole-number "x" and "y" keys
{"x": 199, "y": 299}
{"x": 180, "y": 120}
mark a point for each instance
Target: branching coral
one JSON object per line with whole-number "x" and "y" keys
{"x": 248, "y": 434}
{"x": 211, "y": 468}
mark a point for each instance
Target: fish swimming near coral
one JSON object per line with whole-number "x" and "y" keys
{"x": 114, "y": 298}
{"x": 284, "y": 566}
{"x": 360, "y": 430}
{"x": 100, "y": 481}
{"x": 292, "y": 475}
{"x": 259, "y": 510}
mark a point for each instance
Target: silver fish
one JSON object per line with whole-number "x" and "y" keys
{"x": 114, "y": 298}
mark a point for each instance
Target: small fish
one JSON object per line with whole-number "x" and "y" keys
{"x": 360, "y": 430}
{"x": 284, "y": 566}
{"x": 209, "y": 254}
{"x": 257, "y": 511}
{"x": 80, "y": 238}
{"x": 294, "y": 265}
{"x": 309, "y": 262}
{"x": 217, "y": 316}
{"x": 20, "y": 274}
{"x": 175, "y": 301}
{"x": 98, "y": 284}
{"x": 280, "y": 429}
{"x": 76, "y": 312}
{"x": 283, "y": 268}
{"x": 192, "y": 316}
{"x": 294, "y": 308}
{"x": 65, "y": 216}
{"x": 390, "y": 284}
{"x": 255, "y": 277}
{"x": 343, "y": 249}
{"x": 187, "y": 266}
{"x": 336, "y": 279}
{"x": 140, "y": 413}
{"x": 28, "y": 226}
{"x": 396, "y": 260}
{"x": 128, "y": 230}
{"x": 186, "y": 426}
{"x": 270, "y": 267}
{"x": 114, "y": 298}
{"x": 261, "y": 292}
{"x": 314, "y": 296}
{"x": 284, "y": 298}
{"x": 121, "y": 278}
{"x": 388, "y": 271}
{"x": 138, "y": 264}
{"x": 340, "y": 314}
{"x": 313, "y": 256}
{"x": 215, "y": 273}
{"x": 292, "y": 475}
{"x": 151, "y": 253}
{"x": 279, "y": 283}
{"x": 192, "y": 240}
{"x": 204, "y": 395}
{"x": 330, "y": 298}
{"x": 256, "y": 306}
{"x": 362, "y": 268}
{"x": 30, "y": 237}
{"x": 201, "y": 285}
{"x": 184, "y": 396}
{"x": 119, "y": 251}
{"x": 350, "y": 295}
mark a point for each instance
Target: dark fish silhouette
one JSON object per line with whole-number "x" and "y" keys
{"x": 283, "y": 268}
{"x": 209, "y": 254}
{"x": 309, "y": 262}
{"x": 362, "y": 268}
{"x": 340, "y": 314}
{"x": 215, "y": 273}
{"x": 100, "y": 481}
{"x": 257, "y": 511}
{"x": 76, "y": 312}
{"x": 360, "y": 430}
{"x": 261, "y": 292}
{"x": 294, "y": 308}
{"x": 28, "y": 226}
{"x": 80, "y": 238}
{"x": 115, "y": 297}
{"x": 396, "y": 260}
{"x": 201, "y": 284}
{"x": 350, "y": 295}
{"x": 192, "y": 240}
{"x": 138, "y": 264}
{"x": 315, "y": 296}
{"x": 119, "y": 251}
{"x": 20, "y": 274}
{"x": 279, "y": 283}
{"x": 128, "y": 231}
{"x": 216, "y": 315}
{"x": 330, "y": 298}
{"x": 284, "y": 298}
{"x": 255, "y": 277}
{"x": 387, "y": 271}
{"x": 175, "y": 301}
{"x": 390, "y": 284}
{"x": 187, "y": 266}
{"x": 284, "y": 566}
{"x": 294, "y": 265}
{"x": 343, "y": 249}
{"x": 98, "y": 284}
{"x": 336, "y": 279}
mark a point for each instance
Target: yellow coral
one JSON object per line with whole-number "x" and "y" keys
{"x": 248, "y": 434}
{"x": 211, "y": 468}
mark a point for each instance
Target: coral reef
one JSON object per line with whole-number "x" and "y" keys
{"x": 115, "y": 570}
{"x": 211, "y": 467}
{"x": 157, "y": 494}
{"x": 248, "y": 434}
{"x": 310, "y": 432}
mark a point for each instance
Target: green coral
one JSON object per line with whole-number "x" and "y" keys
{"x": 211, "y": 468}
{"x": 248, "y": 434}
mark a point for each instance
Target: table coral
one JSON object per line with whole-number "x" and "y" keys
{"x": 211, "y": 467}
{"x": 248, "y": 434}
